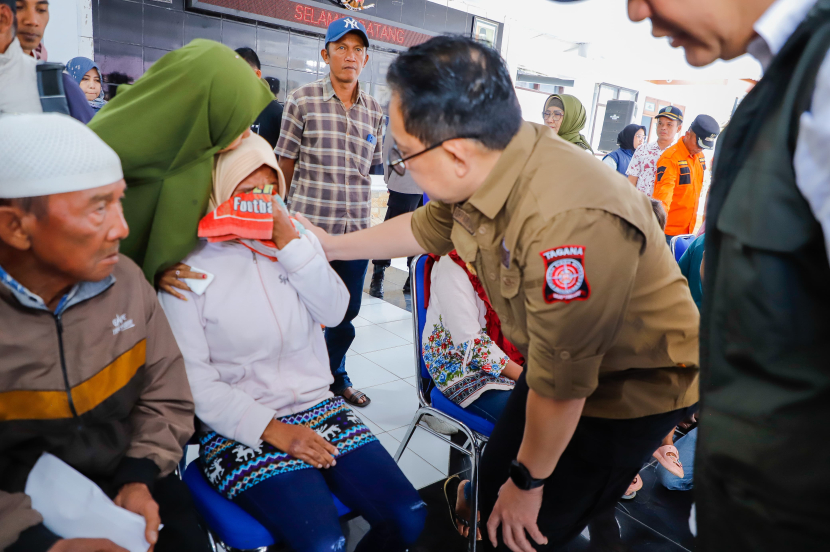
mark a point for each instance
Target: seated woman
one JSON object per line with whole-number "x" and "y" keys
{"x": 274, "y": 439}
{"x": 467, "y": 356}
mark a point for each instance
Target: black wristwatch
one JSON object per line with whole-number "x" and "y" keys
{"x": 521, "y": 477}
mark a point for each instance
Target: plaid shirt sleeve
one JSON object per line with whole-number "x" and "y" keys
{"x": 377, "y": 158}
{"x": 291, "y": 130}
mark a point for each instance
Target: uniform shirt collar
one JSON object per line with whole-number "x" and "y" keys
{"x": 328, "y": 90}
{"x": 490, "y": 197}
{"x": 775, "y": 27}
{"x": 79, "y": 292}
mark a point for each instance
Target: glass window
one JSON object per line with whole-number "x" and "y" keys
{"x": 486, "y": 31}
{"x": 596, "y": 134}
{"x": 606, "y": 93}
{"x": 272, "y": 47}
{"x": 381, "y": 62}
{"x": 383, "y": 94}
{"x": 304, "y": 54}
{"x": 298, "y": 78}
{"x": 627, "y": 95}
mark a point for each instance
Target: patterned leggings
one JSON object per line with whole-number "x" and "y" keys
{"x": 297, "y": 507}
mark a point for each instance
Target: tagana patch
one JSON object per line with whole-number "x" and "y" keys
{"x": 565, "y": 278}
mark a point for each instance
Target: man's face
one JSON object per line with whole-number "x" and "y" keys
{"x": 706, "y": 29}
{"x": 346, "y": 57}
{"x": 77, "y": 237}
{"x": 690, "y": 141}
{"x": 32, "y": 18}
{"x": 667, "y": 128}
{"x": 435, "y": 171}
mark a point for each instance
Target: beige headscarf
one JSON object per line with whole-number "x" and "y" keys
{"x": 233, "y": 167}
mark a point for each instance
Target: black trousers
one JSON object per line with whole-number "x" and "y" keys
{"x": 593, "y": 473}
{"x": 182, "y": 531}
{"x": 399, "y": 204}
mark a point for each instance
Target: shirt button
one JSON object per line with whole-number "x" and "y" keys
{"x": 492, "y": 275}
{"x": 565, "y": 355}
{"x": 482, "y": 230}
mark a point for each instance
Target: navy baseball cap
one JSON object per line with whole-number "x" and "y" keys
{"x": 672, "y": 113}
{"x": 341, "y": 27}
{"x": 706, "y": 129}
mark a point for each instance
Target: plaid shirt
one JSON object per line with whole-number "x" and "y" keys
{"x": 334, "y": 148}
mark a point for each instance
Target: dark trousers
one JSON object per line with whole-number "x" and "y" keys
{"x": 593, "y": 473}
{"x": 340, "y": 337}
{"x": 297, "y": 506}
{"x": 181, "y": 531}
{"x": 398, "y": 205}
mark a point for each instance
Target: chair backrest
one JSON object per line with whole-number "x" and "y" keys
{"x": 419, "y": 315}
{"x": 679, "y": 245}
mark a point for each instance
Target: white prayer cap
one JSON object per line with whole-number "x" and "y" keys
{"x": 49, "y": 153}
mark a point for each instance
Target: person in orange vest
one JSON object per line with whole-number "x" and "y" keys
{"x": 680, "y": 175}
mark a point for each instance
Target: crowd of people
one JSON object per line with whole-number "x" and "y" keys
{"x": 229, "y": 236}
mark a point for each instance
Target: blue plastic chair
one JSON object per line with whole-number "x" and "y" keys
{"x": 679, "y": 245}
{"x": 228, "y": 525}
{"x": 475, "y": 428}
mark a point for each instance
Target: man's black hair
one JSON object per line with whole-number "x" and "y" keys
{"x": 274, "y": 84}
{"x": 250, "y": 56}
{"x": 453, "y": 86}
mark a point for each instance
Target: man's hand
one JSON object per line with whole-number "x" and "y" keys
{"x": 86, "y": 545}
{"x": 321, "y": 234}
{"x": 136, "y": 498}
{"x": 516, "y": 511}
{"x": 284, "y": 230}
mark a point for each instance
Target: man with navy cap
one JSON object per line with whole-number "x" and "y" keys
{"x": 330, "y": 137}
{"x": 679, "y": 179}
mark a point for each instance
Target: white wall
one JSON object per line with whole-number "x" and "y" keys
{"x": 69, "y": 32}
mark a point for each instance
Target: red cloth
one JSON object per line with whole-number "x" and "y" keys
{"x": 493, "y": 324}
{"x": 243, "y": 217}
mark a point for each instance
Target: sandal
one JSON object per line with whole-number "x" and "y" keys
{"x": 455, "y": 519}
{"x": 669, "y": 458}
{"x": 354, "y": 398}
{"x": 635, "y": 486}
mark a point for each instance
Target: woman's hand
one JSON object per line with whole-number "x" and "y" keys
{"x": 301, "y": 442}
{"x": 284, "y": 230}
{"x": 172, "y": 278}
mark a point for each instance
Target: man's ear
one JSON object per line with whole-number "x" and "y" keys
{"x": 325, "y": 53}
{"x": 258, "y": 74}
{"x": 14, "y": 224}
{"x": 461, "y": 151}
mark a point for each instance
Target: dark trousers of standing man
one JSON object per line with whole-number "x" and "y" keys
{"x": 399, "y": 204}
{"x": 593, "y": 473}
{"x": 340, "y": 337}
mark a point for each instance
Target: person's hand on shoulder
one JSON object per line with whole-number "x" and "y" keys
{"x": 321, "y": 234}
{"x": 86, "y": 545}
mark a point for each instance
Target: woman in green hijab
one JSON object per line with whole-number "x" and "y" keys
{"x": 566, "y": 116}
{"x": 166, "y": 128}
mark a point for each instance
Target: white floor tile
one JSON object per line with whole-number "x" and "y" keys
{"x": 350, "y": 353}
{"x": 410, "y": 380}
{"x": 360, "y": 322}
{"x": 400, "y": 264}
{"x": 371, "y": 425}
{"x": 398, "y": 360}
{"x": 373, "y": 338}
{"x": 381, "y": 312}
{"x": 419, "y": 472}
{"x": 401, "y": 328}
{"x": 430, "y": 448}
{"x": 369, "y": 300}
{"x": 365, "y": 373}
{"x": 393, "y": 404}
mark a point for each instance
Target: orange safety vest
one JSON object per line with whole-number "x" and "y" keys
{"x": 677, "y": 185}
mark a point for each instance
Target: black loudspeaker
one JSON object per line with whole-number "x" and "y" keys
{"x": 618, "y": 115}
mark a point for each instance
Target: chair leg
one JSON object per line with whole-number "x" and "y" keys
{"x": 405, "y": 441}
{"x": 474, "y": 496}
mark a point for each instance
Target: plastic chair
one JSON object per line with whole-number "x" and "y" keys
{"x": 228, "y": 525}
{"x": 679, "y": 245}
{"x": 475, "y": 428}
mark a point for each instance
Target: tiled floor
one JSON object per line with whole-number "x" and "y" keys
{"x": 381, "y": 363}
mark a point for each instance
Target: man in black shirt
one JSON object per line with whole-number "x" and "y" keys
{"x": 268, "y": 123}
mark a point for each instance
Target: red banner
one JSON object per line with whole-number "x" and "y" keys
{"x": 286, "y": 10}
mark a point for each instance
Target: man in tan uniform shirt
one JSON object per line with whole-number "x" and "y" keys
{"x": 574, "y": 262}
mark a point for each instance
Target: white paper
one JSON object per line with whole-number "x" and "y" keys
{"x": 199, "y": 285}
{"x": 74, "y": 507}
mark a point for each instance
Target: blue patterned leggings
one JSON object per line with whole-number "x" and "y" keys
{"x": 297, "y": 507}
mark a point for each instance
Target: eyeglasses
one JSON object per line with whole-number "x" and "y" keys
{"x": 553, "y": 115}
{"x": 397, "y": 162}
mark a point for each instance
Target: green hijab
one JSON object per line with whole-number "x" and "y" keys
{"x": 574, "y": 120}
{"x": 166, "y": 128}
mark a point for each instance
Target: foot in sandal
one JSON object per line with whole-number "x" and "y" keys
{"x": 635, "y": 486}
{"x": 669, "y": 458}
{"x": 460, "y": 513}
{"x": 355, "y": 397}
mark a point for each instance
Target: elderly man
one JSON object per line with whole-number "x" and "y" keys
{"x": 91, "y": 372}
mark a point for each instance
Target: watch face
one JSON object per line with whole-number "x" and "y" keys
{"x": 520, "y": 476}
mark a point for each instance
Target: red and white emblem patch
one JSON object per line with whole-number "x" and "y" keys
{"x": 565, "y": 278}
